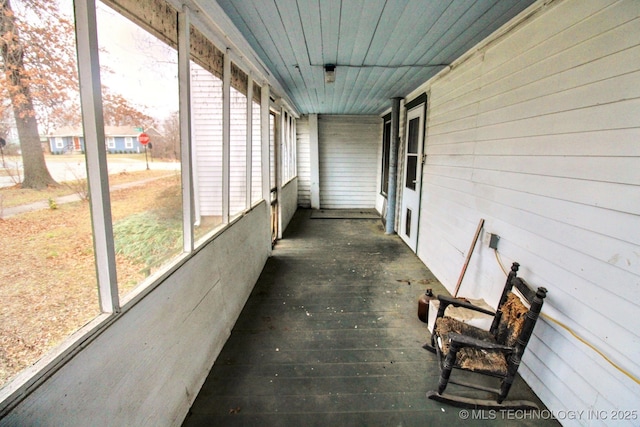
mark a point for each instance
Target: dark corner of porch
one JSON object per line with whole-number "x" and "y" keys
{"x": 330, "y": 336}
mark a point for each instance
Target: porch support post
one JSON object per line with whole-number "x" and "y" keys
{"x": 393, "y": 166}
{"x": 265, "y": 155}
{"x": 315, "y": 161}
{"x": 184, "y": 78}
{"x": 249, "y": 142}
{"x": 265, "y": 136}
{"x": 96, "y": 154}
{"x": 280, "y": 143}
{"x": 226, "y": 134}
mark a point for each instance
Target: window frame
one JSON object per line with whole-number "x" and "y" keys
{"x": 96, "y": 147}
{"x": 386, "y": 155}
{"x": 287, "y": 151}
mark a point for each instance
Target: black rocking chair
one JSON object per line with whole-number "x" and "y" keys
{"x": 496, "y": 353}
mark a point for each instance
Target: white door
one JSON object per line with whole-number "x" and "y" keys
{"x": 412, "y": 179}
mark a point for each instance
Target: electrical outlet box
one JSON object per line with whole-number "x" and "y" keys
{"x": 493, "y": 241}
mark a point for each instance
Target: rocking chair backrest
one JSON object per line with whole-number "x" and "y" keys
{"x": 514, "y": 322}
{"x": 503, "y": 298}
{"x": 513, "y": 314}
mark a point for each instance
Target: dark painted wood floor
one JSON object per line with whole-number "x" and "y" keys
{"x": 330, "y": 337}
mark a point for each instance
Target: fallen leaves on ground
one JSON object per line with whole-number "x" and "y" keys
{"x": 48, "y": 285}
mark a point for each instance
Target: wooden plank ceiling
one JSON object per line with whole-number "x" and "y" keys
{"x": 381, "y": 48}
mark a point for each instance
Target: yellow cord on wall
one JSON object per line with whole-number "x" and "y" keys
{"x": 579, "y": 338}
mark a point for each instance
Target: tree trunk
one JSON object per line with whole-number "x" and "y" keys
{"x": 36, "y": 174}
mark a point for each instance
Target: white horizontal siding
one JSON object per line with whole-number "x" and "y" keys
{"x": 348, "y": 147}
{"x": 206, "y": 116}
{"x": 206, "y": 106}
{"x": 538, "y": 134}
{"x": 237, "y": 153}
{"x": 304, "y": 162}
{"x": 256, "y": 154}
{"x": 288, "y": 200}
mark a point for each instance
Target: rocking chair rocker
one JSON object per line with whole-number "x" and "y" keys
{"x": 495, "y": 353}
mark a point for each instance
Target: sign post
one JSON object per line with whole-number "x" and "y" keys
{"x": 144, "y": 140}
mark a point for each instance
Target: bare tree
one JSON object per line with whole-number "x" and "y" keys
{"x": 17, "y": 81}
{"x": 169, "y": 144}
{"x": 120, "y": 112}
{"x": 40, "y": 81}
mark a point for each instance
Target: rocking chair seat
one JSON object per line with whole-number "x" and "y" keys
{"x": 489, "y": 362}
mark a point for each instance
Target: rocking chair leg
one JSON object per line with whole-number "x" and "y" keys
{"x": 447, "y": 366}
{"x": 431, "y": 345}
{"x": 504, "y": 389}
{"x": 507, "y": 382}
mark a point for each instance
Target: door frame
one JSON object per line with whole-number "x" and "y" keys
{"x": 419, "y": 105}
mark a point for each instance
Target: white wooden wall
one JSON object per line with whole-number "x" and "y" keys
{"x": 304, "y": 162}
{"x": 238, "y": 153}
{"x": 539, "y": 133}
{"x": 206, "y": 112}
{"x": 207, "y": 138}
{"x": 288, "y": 203}
{"x": 348, "y": 149}
{"x": 256, "y": 155}
{"x": 147, "y": 367}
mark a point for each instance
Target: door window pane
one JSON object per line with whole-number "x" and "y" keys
{"x": 412, "y": 153}
{"x": 412, "y": 166}
{"x": 413, "y": 138}
{"x": 407, "y": 223}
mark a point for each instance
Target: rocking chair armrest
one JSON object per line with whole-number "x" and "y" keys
{"x": 446, "y": 301}
{"x": 467, "y": 341}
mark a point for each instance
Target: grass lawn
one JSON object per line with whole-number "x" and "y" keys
{"x": 47, "y": 277}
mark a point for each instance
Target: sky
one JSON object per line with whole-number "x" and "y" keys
{"x": 143, "y": 69}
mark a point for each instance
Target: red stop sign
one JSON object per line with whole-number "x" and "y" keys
{"x": 144, "y": 138}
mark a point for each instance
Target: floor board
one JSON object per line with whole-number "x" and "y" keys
{"x": 330, "y": 337}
